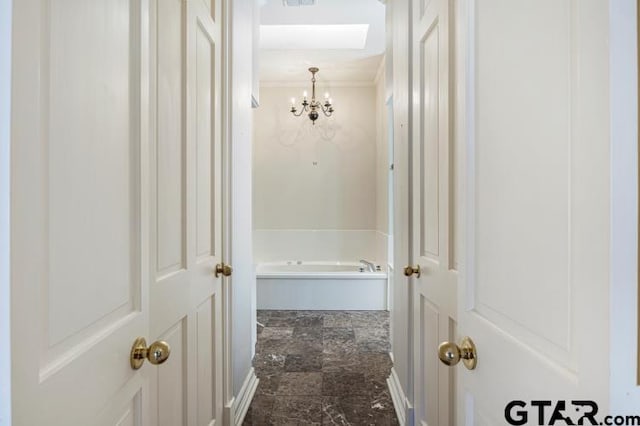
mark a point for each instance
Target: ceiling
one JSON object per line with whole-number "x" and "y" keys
{"x": 291, "y": 51}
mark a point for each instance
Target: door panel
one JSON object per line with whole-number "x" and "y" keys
{"x": 206, "y": 336}
{"x": 126, "y": 408}
{"x": 130, "y": 416}
{"x": 517, "y": 141}
{"x": 171, "y": 380}
{"x": 535, "y": 286}
{"x": 428, "y": 146}
{"x": 434, "y": 293}
{"x": 80, "y": 233}
{"x": 428, "y": 384}
{"x": 212, "y": 6}
{"x": 171, "y": 145}
{"x": 207, "y": 150}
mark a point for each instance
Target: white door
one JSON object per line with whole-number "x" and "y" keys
{"x": 433, "y": 213}
{"x": 106, "y": 247}
{"x": 534, "y": 126}
{"x": 185, "y": 296}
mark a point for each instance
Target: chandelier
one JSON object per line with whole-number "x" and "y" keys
{"x": 313, "y": 107}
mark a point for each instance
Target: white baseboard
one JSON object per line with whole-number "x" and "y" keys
{"x": 403, "y": 407}
{"x": 227, "y": 415}
{"x": 242, "y": 401}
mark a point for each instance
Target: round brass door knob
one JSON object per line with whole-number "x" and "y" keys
{"x": 410, "y": 270}
{"x": 224, "y": 269}
{"x": 157, "y": 353}
{"x": 450, "y": 354}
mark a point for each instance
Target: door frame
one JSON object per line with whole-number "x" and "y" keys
{"x": 624, "y": 284}
{"x": 401, "y": 381}
{"x": 227, "y": 197}
{"x": 5, "y": 171}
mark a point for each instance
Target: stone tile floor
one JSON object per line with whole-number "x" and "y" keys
{"x": 322, "y": 368}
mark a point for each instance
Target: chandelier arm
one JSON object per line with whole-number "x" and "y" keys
{"x": 326, "y": 110}
{"x": 302, "y": 111}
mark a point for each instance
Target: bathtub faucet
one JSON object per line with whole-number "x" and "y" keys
{"x": 369, "y": 265}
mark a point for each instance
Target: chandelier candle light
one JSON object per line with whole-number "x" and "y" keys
{"x": 314, "y": 106}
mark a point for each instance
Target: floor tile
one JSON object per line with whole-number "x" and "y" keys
{"x": 373, "y": 346}
{"x": 369, "y": 318}
{"x": 337, "y": 319}
{"x": 341, "y": 363}
{"x": 375, "y": 364}
{"x": 303, "y": 363}
{"x": 339, "y": 341}
{"x": 268, "y": 384}
{"x": 353, "y": 410}
{"x": 268, "y": 362}
{"x": 322, "y": 367}
{"x": 288, "y": 346}
{"x": 297, "y": 411}
{"x": 372, "y": 339}
{"x": 307, "y": 333}
{"x": 364, "y": 334}
{"x": 259, "y": 413}
{"x": 276, "y": 332}
{"x": 281, "y": 321}
{"x": 309, "y": 321}
{"x": 343, "y": 384}
{"x": 300, "y": 384}
{"x": 262, "y": 317}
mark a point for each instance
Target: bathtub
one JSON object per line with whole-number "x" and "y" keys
{"x": 308, "y": 285}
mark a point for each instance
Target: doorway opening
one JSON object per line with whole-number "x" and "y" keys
{"x": 321, "y": 213}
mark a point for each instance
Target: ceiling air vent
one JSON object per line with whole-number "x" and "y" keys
{"x": 299, "y": 2}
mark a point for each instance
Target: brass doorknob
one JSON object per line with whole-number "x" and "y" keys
{"x": 410, "y": 270}
{"x": 450, "y": 354}
{"x": 157, "y": 353}
{"x": 224, "y": 269}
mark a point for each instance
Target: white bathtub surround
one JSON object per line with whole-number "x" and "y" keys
{"x": 318, "y": 269}
{"x": 382, "y": 247}
{"x": 297, "y": 269}
{"x": 271, "y": 245}
{"x": 297, "y": 285}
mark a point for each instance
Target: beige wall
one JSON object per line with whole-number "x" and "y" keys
{"x": 382, "y": 153}
{"x": 316, "y": 177}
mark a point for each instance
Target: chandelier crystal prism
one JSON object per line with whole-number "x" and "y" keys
{"x": 313, "y": 107}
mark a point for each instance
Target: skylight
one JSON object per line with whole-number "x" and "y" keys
{"x": 299, "y": 2}
{"x": 351, "y": 36}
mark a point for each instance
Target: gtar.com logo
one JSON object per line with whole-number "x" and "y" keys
{"x": 547, "y": 412}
